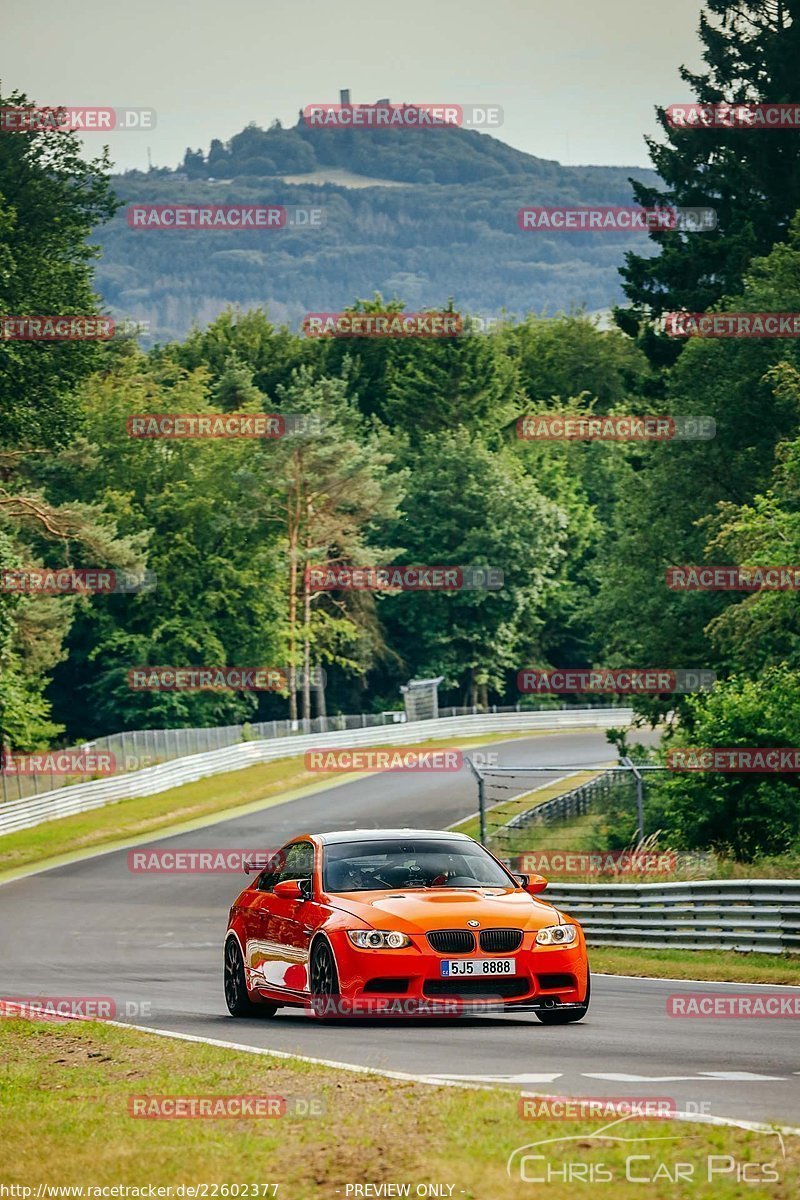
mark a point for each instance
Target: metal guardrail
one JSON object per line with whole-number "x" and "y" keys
{"x": 761, "y": 915}
{"x": 136, "y": 749}
{"x": 81, "y": 797}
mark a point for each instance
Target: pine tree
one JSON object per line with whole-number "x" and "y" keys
{"x": 750, "y": 177}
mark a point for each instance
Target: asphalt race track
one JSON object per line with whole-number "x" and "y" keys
{"x": 154, "y": 944}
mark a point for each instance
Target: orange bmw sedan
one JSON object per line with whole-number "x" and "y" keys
{"x": 400, "y": 922}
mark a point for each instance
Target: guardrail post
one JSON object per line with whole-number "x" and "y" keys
{"x": 481, "y": 801}
{"x": 639, "y": 798}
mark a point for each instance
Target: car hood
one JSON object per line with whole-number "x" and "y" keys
{"x": 421, "y": 911}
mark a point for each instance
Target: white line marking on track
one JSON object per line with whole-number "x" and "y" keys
{"x": 713, "y": 982}
{"x": 543, "y": 1077}
{"x": 703, "y": 1075}
{"x": 694, "y": 1118}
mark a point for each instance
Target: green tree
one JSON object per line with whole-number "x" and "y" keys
{"x": 763, "y": 627}
{"x": 333, "y": 492}
{"x": 750, "y": 177}
{"x": 742, "y": 815}
{"x": 669, "y": 494}
{"x": 569, "y": 355}
{"x": 248, "y": 340}
{"x": 194, "y": 507}
{"x": 467, "y": 505}
{"x": 50, "y": 201}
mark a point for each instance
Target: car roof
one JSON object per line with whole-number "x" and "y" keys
{"x": 372, "y": 835}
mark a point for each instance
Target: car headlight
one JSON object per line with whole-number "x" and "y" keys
{"x": 557, "y": 935}
{"x": 378, "y": 939}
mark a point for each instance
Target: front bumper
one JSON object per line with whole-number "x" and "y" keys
{"x": 544, "y": 977}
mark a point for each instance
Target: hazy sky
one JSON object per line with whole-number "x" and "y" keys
{"x": 578, "y": 79}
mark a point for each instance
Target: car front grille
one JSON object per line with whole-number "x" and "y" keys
{"x": 486, "y": 989}
{"x": 451, "y": 941}
{"x": 500, "y": 941}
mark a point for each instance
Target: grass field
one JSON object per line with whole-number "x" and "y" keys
{"x": 65, "y": 1106}
{"x": 696, "y": 964}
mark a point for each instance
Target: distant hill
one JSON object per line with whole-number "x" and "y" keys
{"x": 423, "y": 215}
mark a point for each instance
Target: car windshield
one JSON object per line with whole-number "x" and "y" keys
{"x": 385, "y": 865}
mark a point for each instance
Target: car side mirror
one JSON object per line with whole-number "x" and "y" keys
{"x": 294, "y": 889}
{"x": 533, "y": 884}
{"x": 288, "y": 889}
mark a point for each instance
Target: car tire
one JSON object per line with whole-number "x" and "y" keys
{"x": 323, "y": 978}
{"x": 235, "y": 987}
{"x": 566, "y": 1016}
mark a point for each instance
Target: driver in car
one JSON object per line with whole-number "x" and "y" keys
{"x": 355, "y": 879}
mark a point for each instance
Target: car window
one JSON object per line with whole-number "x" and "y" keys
{"x": 272, "y": 873}
{"x": 299, "y": 862}
{"x": 386, "y": 864}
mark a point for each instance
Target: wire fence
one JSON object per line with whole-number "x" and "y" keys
{"x": 513, "y": 809}
{"x": 509, "y": 807}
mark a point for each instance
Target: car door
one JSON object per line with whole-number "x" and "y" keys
{"x": 280, "y": 928}
{"x": 258, "y": 953}
{"x": 292, "y": 923}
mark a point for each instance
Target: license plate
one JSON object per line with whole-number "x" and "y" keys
{"x": 477, "y": 966}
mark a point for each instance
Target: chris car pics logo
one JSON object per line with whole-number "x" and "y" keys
{"x": 618, "y": 1152}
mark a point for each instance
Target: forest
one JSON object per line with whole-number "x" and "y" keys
{"x": 406, "y": 451}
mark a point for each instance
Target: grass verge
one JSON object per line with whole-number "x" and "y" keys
{"x": 720, "y": 965}
{"x": 64, "y": 1102}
